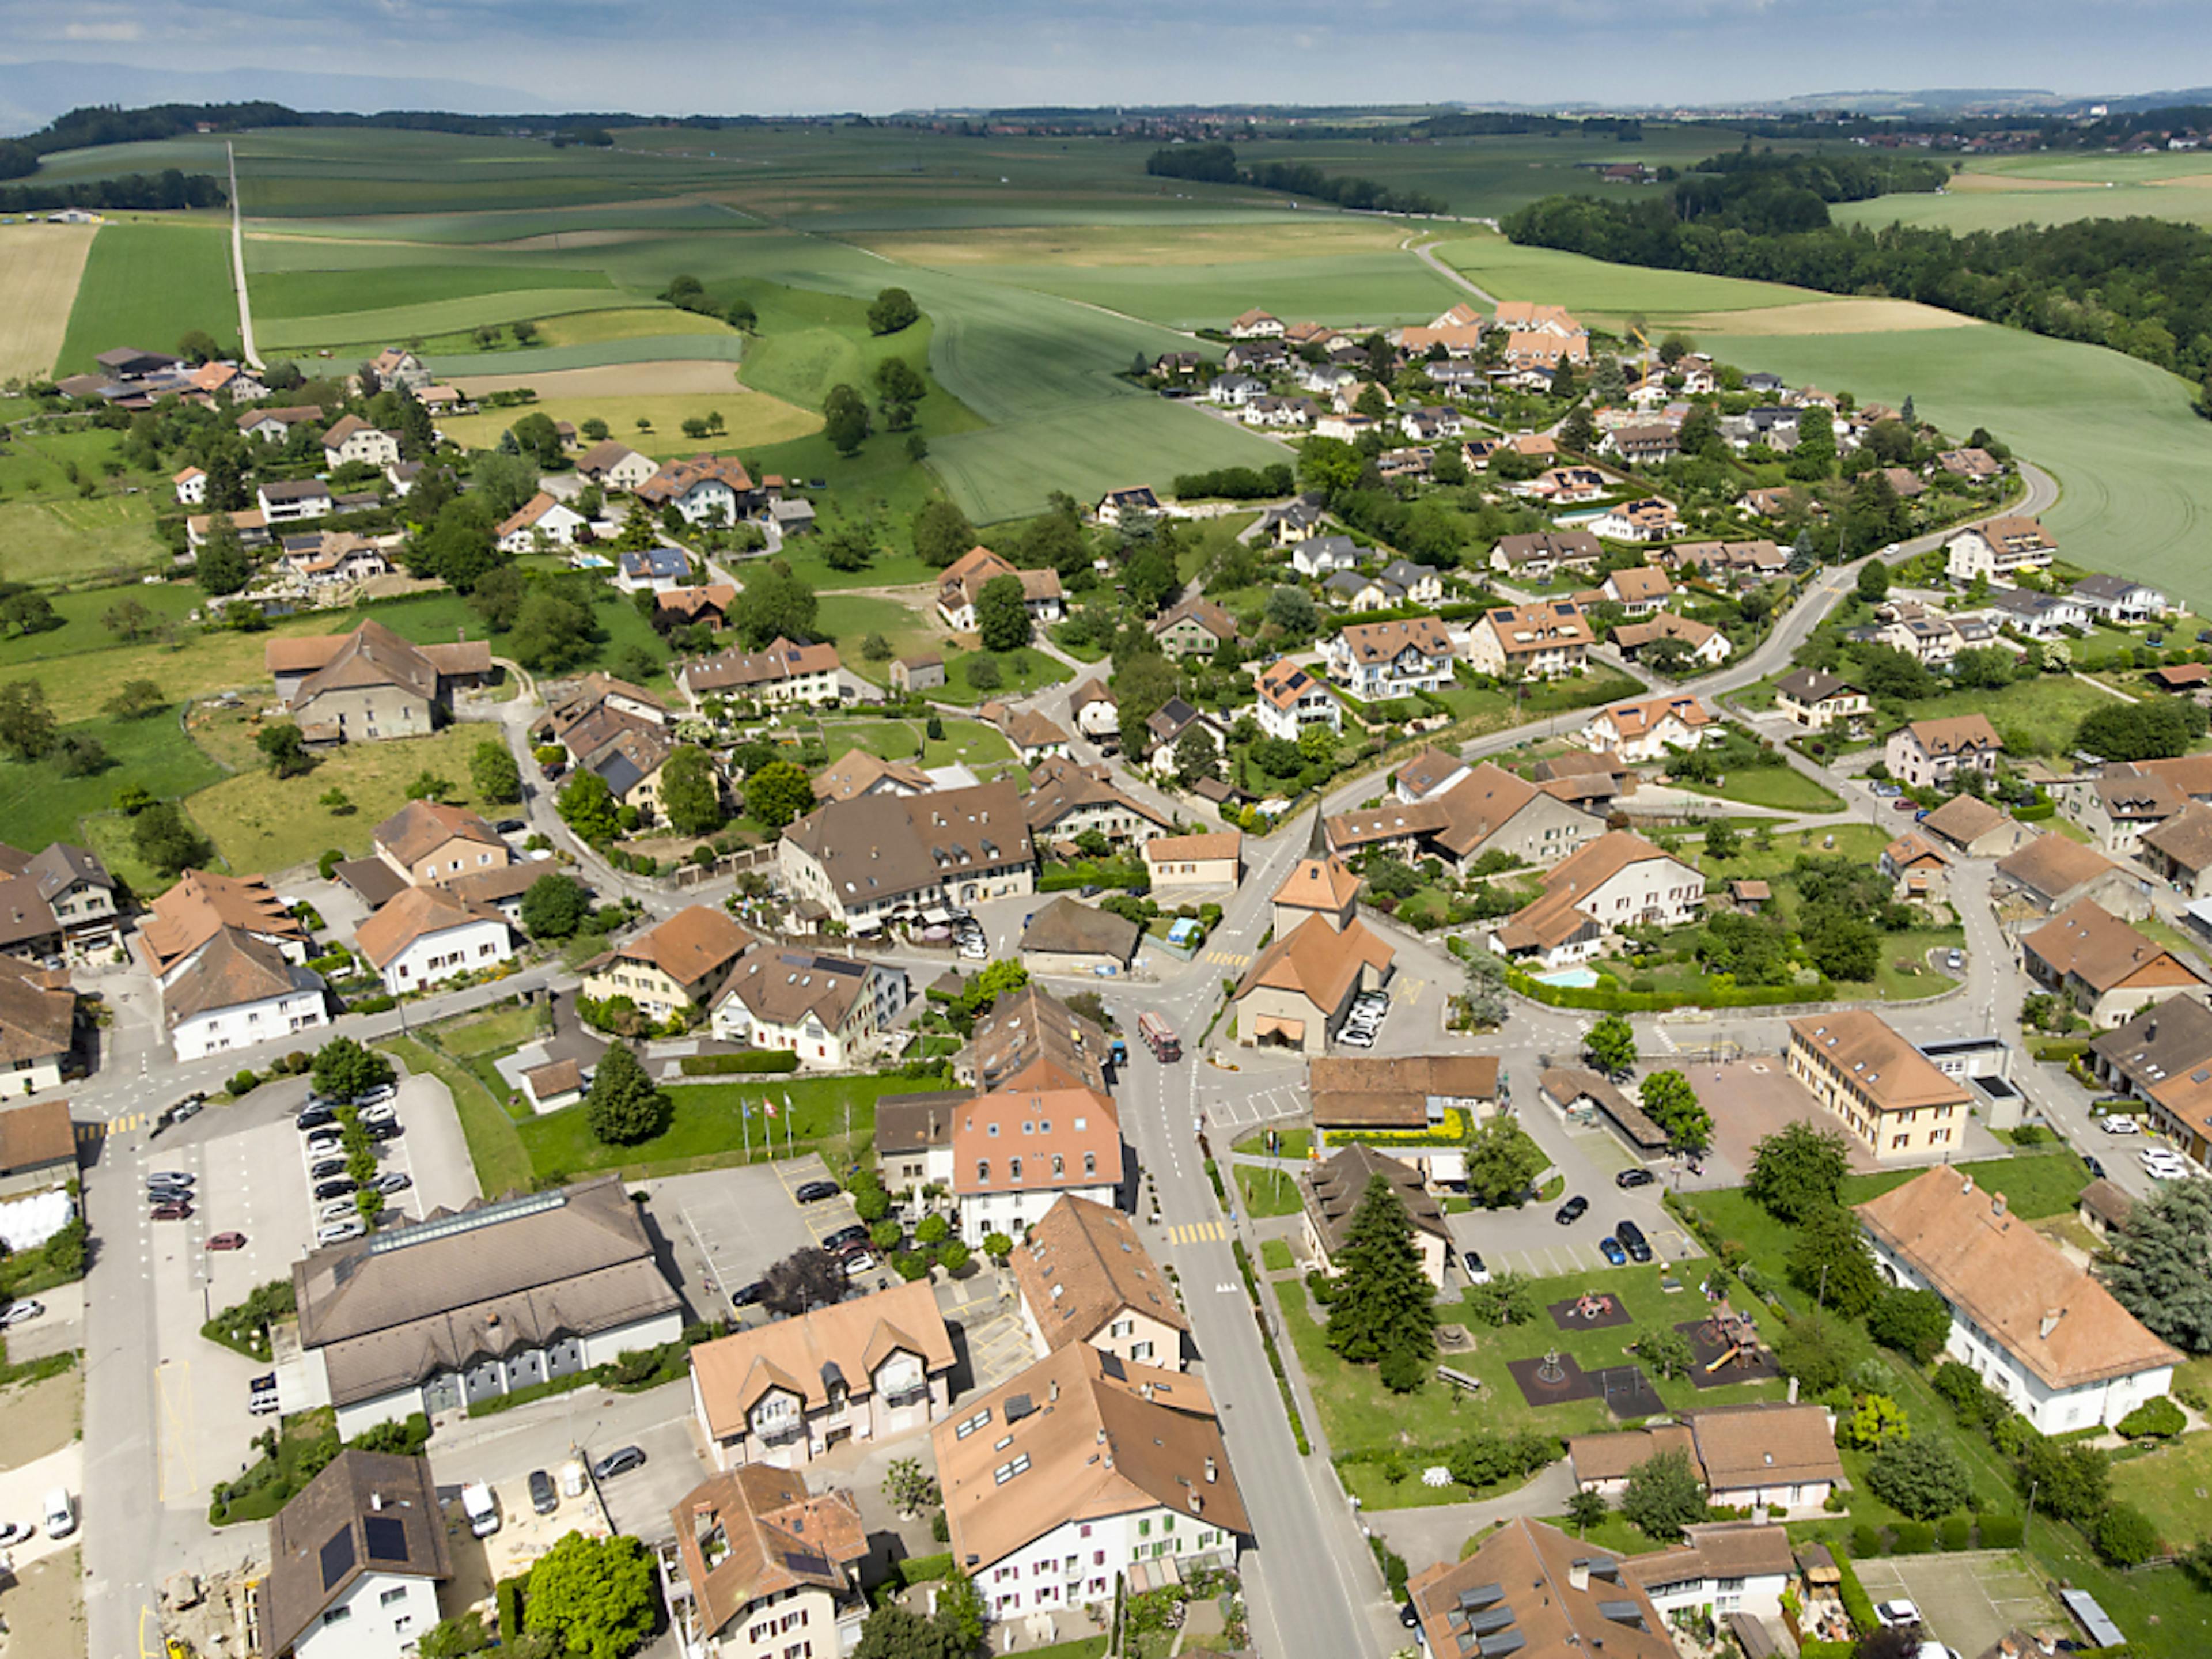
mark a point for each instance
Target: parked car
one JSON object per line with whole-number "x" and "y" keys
{"x": 1609, "y": 1247}
{"x": 17, "y": 1532}
{"x": 1571, "y": 1211}
{"x": 344, "y": 1187}
{"x": 394, "y": 1182}
{"x": 265, "y": 1383}
{"x": 263, "y": 1404}
{"x": 543, "y": 1498}
{"x": 1955, "y": 961}
{"x": 316, "y": 1117}
{"x": 386, "y": 1113}
{"x": 376, "y": 1097}
{"x": 171, "y": 1178}
{"x": 1901, "y": 805}
{"x": 388, "y": 1130}
{"x": 509, "y": 827}
{"x": 327, "y": 1168}
{"x": 338, "y": 1209}
{"x": 747, "y": 1295}
{"x": 191, "y": 1106}
{"x": 1357, "y": 1036}
{"x": 619, "y": 1463}
{"x": 1638, "y": 1177}
{"x": 2114, "y": 1123}
{"x": 326, "y": 1140}
{"x": 1891, "y": 1614}
{"x": 19, "y": 1313}
{"x": 813, "y": 1192}
{"x": 1477, "y": 1274}
{"x": 859, "y": 1262}
{"x": 1410, "y": 1616}
{"x": 341, "y": 1232}
{"x": 173, "y": 1212}
{"x": 1632, "y": 1239}
{"x": 227, "y": 1242}
{"x": 855, "y": 1234}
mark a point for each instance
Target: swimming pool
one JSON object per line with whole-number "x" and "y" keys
{"x": 1571, "y": 979}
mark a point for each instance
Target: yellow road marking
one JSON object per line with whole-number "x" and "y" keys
{"x": 175, "y": 1424}
{"x": 1193, "y": 1232}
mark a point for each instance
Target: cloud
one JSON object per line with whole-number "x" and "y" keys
{"x": 123, "y": 30}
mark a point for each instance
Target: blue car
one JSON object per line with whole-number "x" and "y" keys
{"x": 1609, "y": 1247}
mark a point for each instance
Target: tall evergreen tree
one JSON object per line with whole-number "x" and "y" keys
{"x": 1385, "y": 1302}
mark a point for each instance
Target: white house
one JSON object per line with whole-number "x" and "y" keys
{"x": 2037, "y": 615}
{"x": 2120, "y": 600}
{"x": 1256, "y": 325}
{"x": 764, "y": 1563}
{"x": 1619, "y": 880}
{"x": 1324, "y": 555}
{"x": 1016, "y": 1153}
{"x": 1999, "y": 548}
{"x": 1376, "y": 662}
{"x": 191, "y": 487}
{"x": 350, "y": 440}
{"x": 829, "y": 1011}
{"x": 289, "y": 500}
{"x": 1289, "y": 700}
{"x": 230, "y": 964}
{"x": 541, "y": 515}
{"x": 2041, "y": 1332}
{"x": 1649, "y": 520}
{"x": 1079, "y": 1471}
{"x": 1646, "y": 728}
{"x": 356, "y": 1559}
{"x": 705, "y": 489}
{"x": 426, "y": 935}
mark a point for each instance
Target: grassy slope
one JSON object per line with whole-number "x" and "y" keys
{"x": 148, "y": 283}
{"x": 1607, "y": 291}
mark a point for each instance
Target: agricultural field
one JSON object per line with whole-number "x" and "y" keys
{"x": 39, "y": 268}
{"x": 38, "y": 804}
{"x": 148, "y": 283}
{"x": 1999, "y": 193}
{"x": 644, "y": 404}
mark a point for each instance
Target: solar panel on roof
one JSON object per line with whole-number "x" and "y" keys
{"x": 806, "y": 1561}
{"x": 386, "y": 1538}
{"x": 338, "y": 1557}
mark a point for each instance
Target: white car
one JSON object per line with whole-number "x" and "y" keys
{"x": 325, "y": 1141}
{"x": 2115, "y": 1123}
{"x": 386, "y": 1113}
{"x": 2163, "y": 1160}
{"x": 338, "y": 1209}
{"x": 19, "y": 1312}
{"x": 341, "y": 1232}
{"x": 1891, "y": 1614}
{"x": 1352, "y": 1038}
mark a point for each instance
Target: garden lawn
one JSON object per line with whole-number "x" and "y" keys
{"x": 849, "y": 618}
{"x": 147, "y": 283}
{"x": 39, "y": 805}
{"x": 965, "y": 743}
{"x": 1292, "y": 1143}
{"x": 2037, "y": 716}
{"x": 1860, "y": 842}
{"x": 1782, "y": 787}
{"x": 1268, "y": 1192}
{"x": 1020, "y": 672}
{"x": 2171, "y": 1485}
{"x": 707, "y": 1131}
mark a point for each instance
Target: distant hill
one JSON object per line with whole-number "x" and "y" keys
{"x": 32, "y": 94}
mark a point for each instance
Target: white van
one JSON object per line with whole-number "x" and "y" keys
{"x": 59, "y": 1512}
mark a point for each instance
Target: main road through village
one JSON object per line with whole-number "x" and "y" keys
{"x": 1316, "y": 1594}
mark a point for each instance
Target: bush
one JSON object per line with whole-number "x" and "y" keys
{"x": 752, "y": 1062}
{"x": 1865, "y": 1541}
{"x": 925, "y": 1569}
{"x": 244, "y": 1084}
{"x": 2125, "y": 1536}
{"x": 1951, "y": 1533}
{"x": 510, "y": 1607}
{"x": 2155, "y": 1420}
{"x": 1915, "y": 1538}
{"x": 2000, "y": 1532}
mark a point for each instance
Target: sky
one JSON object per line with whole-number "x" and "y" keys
{"x": 719, "y": 57}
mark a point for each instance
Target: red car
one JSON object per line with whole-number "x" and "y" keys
{"x": 1904, "y": 803}
{"x": 227, "y": 1242}
{"x": 173, "y": 1212}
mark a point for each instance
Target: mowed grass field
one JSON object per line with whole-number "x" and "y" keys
{"x": 750, "y": 418}
{"x": 2119, "y": 434}
{"x": 1607, "y": 292}
{"x": 2052, "y": 189}
{"x": 147, "y": 283}
{"x": 39, "y": 268}
{"x": 66, "y": 539}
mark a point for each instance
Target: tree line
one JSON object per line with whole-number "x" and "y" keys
{"x": 1217, "y": 164}
{"x": 2141, "y": 286}
{"x": 169, "y": 188}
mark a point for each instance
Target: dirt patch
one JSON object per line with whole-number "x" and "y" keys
{"x": 1830, "y": 316}
{"x": 561, "y": 241}
{"x": 2011, "y": 183}
{"x": 40, "y": 266}
{"x": 46, "y": 1609}
{"x": 659, "y": 380}
{"x": 42, "y": 1417}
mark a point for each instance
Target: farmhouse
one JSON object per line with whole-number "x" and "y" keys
{"x": 613, "y": 464}
{"x": 1195, "y": 626}
{"x": 1969, "y": 825}
{"x": 881, "y": 859}
{"x": 786, "y": 672}
{"x": 705, "y": 489}
{"x": 964, "y": 580}
{"x": 2105, "y": 970}
{"x": 60, "y": 898}
{"x": 677, "y": 966}
{"x": 869, "y": 1369}
{"x": 371, "y": 684}
{"x": 37, "y": 1029}
{"x": 1882, "y": 1089}
{"x": 2052, "y": 874}
{"x": 1085, "y": 1276}
{"x": 229, "y": 961}
{"x": 2041, "y": 1332}
{"x": 1066, "y": 799}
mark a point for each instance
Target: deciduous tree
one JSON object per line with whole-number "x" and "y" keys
{"x": 1502, "y": 1162}
{"x": 1663, "y": 1496}
{"x": 691, "y": 792}
{"x": 27, "y": 724}
{"x": 1610, "y": 1046}
{"x": 1670, "y": 1101}
{"x": 594, "y": 1595}
{"x": 812, "y": 1278}
{"x": 554, "y": 907}
{"x": 134, "y": 700}
{"x": 1002, "y": 615}
{"x": 496, "y": 773}
{"x": 587, "y": 807}
{"x": 344, "y": 1068}
{"x": 222, "y": 566}
{"x": 1914, "y": 1322}
{"x": 624, "y": 1106}
{"x": 1797, "y": 1170}
{"x": 893, "y": 309}
{"x": 941, "y": 534}
{"x": 776, "y": 604}
{"x": 283, "y": 746}
{"x": 1920, "y": 1476}
{"x": 778, "y": 793}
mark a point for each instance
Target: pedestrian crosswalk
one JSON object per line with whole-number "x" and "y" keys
{"x": 1193, "y": 1232}
{"x": 91, "y": 1135}
{"x": 1227, "y": 958}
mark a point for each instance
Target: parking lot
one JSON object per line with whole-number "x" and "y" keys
{"x": 726, "y": 1226}
{"x": 1967, "y": 1600}
{"x": 524, "y": 1535}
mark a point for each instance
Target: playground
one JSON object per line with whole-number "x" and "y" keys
{"x": 1728, "y": 1348}
{"x": 1593, "y": 1310}
{"x": 1555, "y": 1379}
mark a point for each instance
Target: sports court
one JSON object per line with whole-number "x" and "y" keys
{"x": 1967, "y": 1600}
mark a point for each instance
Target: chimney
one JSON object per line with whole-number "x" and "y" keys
{"x": 1578, "y": 1575}
{"x": 376, "y": 1500}
{"x": 1055, "y": 1381}
{"x": 1996, "y": 1203}
{"x": 1793, "y": 1390}
{"x": 1969, "y": 1187}
{"x": 1198, "y": 1503}
{"x": 1213, "y": 1471}
{"x": 2050, "y": 1323}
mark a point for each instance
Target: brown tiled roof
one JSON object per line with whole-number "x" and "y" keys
{"x": 2107, "y": 1201}
{"x": 2016, "y": 1286}
{"x": 38, "y": 1012}
{"x": 688, "y": 945}
{"x": 1318, "y": 961}
{"x": 1611, "y": 1456}
{"x": 1956, "y": 735}
{"x": 846, "y": 1339}
{"x": 601, "y": 457}
{"x": 692, "y": 603}
{"x": 1765, "y": 1442}
{"x": 1637, "y": 718}
{"x": 320, "y": 1542}
{"x": 201, "y": 904}
{"x": 1812, "y": 685}
{"x": 1194, "y": 849}
{"x": 1892, "y": 1073}
{"x": 1716, "y": 1550}
{"x": 1355, "y": 1091}
{"x": 1557, "y": 916}
{"x": 1637, "y": 583}
{"x": 1911, "y": 848}
{"x": 675, "y": 477}
{"x": 1349, "y": 834}
{"x": 1082, "y": 1266}
{"x": 1037, "y": 1129}
{"x": 2186, "y": 837}
{"x": 1059, "y": 787}
{"x": 1963, "y": 819}
{"x": 1427, "y": 769}
{"x": 739, "y": 669}
{"x": 1203, "y": 611}
{"x": 492, "y": 886}
{"x": 1522, "y": 1581}
{"x": 2052, "y": 866}
{"x": 768, "y": 1536}
{"x": 1555, "y": 546}
{"x": 782, "y": 988}
{"x": 2088, "y": 943}
{"x": 1318, "y": 885}
{"x": 1549, "y": 625}
{"x": 1282, "y": 681}
{"x": 558, "y": 1077}
{"x": 916, "y": 1123}
{"x": 1634, "y": 636}
{"x": 371, "y": 655}
{"x": 882, "y": 847}
{"x": 1034, "y": 1037}
{"x": 1116, "y": 1439}
{"x": 36, "y": 1134}
{"x": 856, "y": 771}
{"x": 1067, "y": 927}
{"x": 421, "y": 827}
{"x": 1371, "y": 642}
{"x": 413, "y": 915}
{"x": 233, "y": 968}
{"x": 1334, "y": 1188}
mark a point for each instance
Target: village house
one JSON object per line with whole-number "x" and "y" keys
{"x": 293, "y": 501}
{"x": 1067, "y": 937}
{"x": 708, "y": 490}
{"x": 2104, "y": 970}
{"x": 2034, "y": 616}
{"x": 1079, "y": 1474}
{"x": 427, "y": 841}
{"x": 190, "y": 485}
{"x": 1648, "y": 443}
{"x": 38, "y": 1031}
{"x": 1330, "y": 1194}
{"x": 1539, "y": 642}
{"x": 356, "y": 1559}
{"x": 329, "y": 557}
{"x": 1563, "y": 486}
{"x": 1929, "y": 754}
{"x": 1316, "y": 556}
{"x": 765, "y": 1561}
{"x": 1288, "y": 699}
{"x": 1879, "y": 1086}
{"x": 2119, "y": 804}
{"x": 1549, "y": 1595}
{"x": 1541, "y": 554}
{"x": 786, "y": 672}
{"x": 426, "y": 935}
{"x": 1974, "y": 829}
{"x": 229, "y": 961}
{"x": 1704, "y": 645}
{"x": 1018, "y": 1152}
{"x": 1067, "y": 799}
{"x": 1649, "y": 520}
{"x": 964, "y": 580}
{"x": 1256, "y": 325}
{"x": 1193, "y": 627}
{"x": 60, "y": 899}
{"x": 2041, "y": 1332}
{"x": 2163, "y": 1057}
{"x": 1485, "y": 810}
{"x": 273, "y": 426}
{"x": 1377, "y": 661}
{"x": 2121, "y": 600}
{"x": 1619, "y": 880}
{"x": 707, "y": 607}
{"x": 829, "y": 1011}
{"x": 539, "y": 519}
{"x": 1032, "y": 1041}
{"x": 1647, "y": 728}
{"x": 675, "y": 968}
{"x": 878, "y": 860}
{"x": 1758, "y": 1456}
{"x": 1999, "y": 549}
{"x": 1117, "y": 506}
{"x": 1164, "y": 729}
{"x": 924, "y": 672}
{"x": 1639, "y": 589}
{"x": 349, "y": 440}
{"x": 1211, "y": 859}
{"x": 1918, "y": 869}
{"x": 869, "y": 1369}
{"x": 1975, "y": 466}
{"x": 1085, "y": 1276}
{"x": 1814, "y": 700}
{"x": 2179, "y": 850}
{"x": 613, "y": 464}
{"x": 371, "y": 684}
{"x": 2052, "y": 873}
{"x": 1412, "y": 1095}
{"x": 1427, "y": 775}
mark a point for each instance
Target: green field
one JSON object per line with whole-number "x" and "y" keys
{"x": 2116, "y": 432}
{"x": 300, "y": 294}
{"x": 146, "y": 284}
{"x": 2037, "y": 716}
{"x": 1606, "y": 291}
{"x": 2000, "y": 191}
{"x": 71, "y": 539}
{"x": 38, "y": 804}
{"x": 1380, "y": 288}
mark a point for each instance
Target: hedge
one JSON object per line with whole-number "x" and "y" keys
{"x": 1858, "y": 1606}
{"x": 926, "y": 1569}
{"x": 1649, "y": 1002}
{"x": 2000, "y": 1532}
{"x": 752, "y": 1060}
{"x": 510, "y": 1607}
{"x": 2035, "y": 814}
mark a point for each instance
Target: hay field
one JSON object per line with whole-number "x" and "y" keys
{"x": 436, "y": 317}
{"x": 1007, "y": 471}
{"x": 1088, "y": 247}
{"x": 147, "y": 283}
{"x": 1830, "y": 316}
{"x": 1608, "y": 293}
{"x": 39, "y": 268}
{"x": 300, "y": 295}
{"x": 664, "y": 394}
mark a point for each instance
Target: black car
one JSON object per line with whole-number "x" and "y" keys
{"x": 748, "y": 1295}
{"x": 1410, "y": 1616}
{"x": 1628, "y": 1178}
{"x": 619, "y": 1463}
{"x": 543, "y": 1498}
{"x": 2096, "y": 1169}
{"x": 344, "y": 1187}
{"x": 1571, "y": 1211}
{"x": 315, "y": 1117}
{"x": 1632, "y": 1241}
{"x": 388, "y": 1130}
{"x": 855, "y": 1234}
{"x": 813, "y": 1192}
{"x": 326, "y": 1169}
